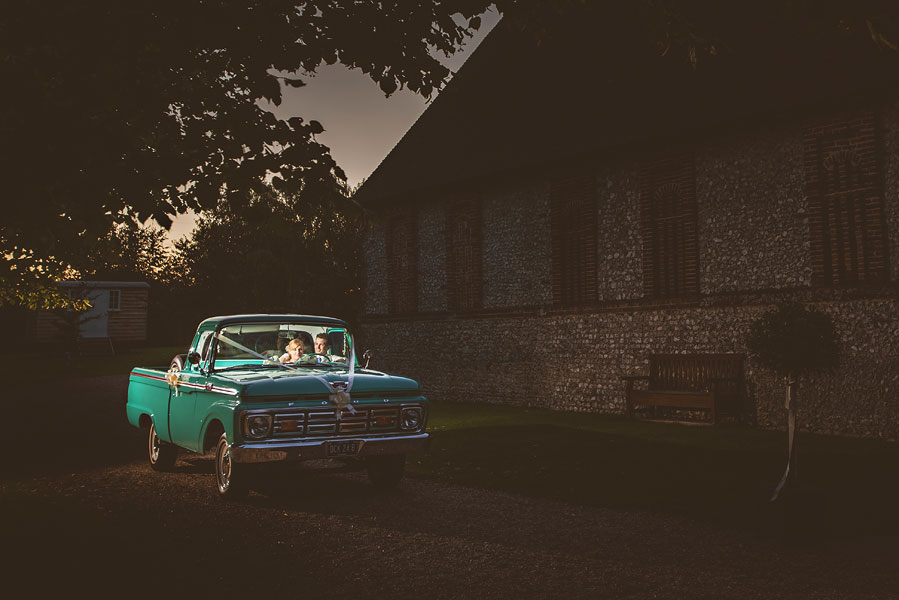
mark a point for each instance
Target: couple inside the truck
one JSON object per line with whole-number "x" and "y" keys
{"x": 299, "y": 347}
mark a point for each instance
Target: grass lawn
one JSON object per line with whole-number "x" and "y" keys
{"x": 38, "y": 364}
{"x": 847, "y": 486}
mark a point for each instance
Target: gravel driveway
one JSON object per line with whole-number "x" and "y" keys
{"x": 85, "y": 513}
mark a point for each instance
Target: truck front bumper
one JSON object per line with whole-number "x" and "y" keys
{"x": 278, "y": 450}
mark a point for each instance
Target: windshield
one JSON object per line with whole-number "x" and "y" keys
{"x": 280, "y": 345}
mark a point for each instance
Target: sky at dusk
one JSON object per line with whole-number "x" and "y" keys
{"x": 361, "y": 125}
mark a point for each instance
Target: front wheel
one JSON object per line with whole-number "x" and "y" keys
{"x": 228, "y": 487}
{"x": 160, "y": 454}
{"x": 385, "y": 472}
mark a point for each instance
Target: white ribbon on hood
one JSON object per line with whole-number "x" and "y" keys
{"x": 338, "y": 391}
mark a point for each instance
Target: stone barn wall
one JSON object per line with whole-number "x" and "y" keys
{"x": 754, "y": 250}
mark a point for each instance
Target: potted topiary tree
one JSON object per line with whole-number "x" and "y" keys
{"x": 793, "y": 340}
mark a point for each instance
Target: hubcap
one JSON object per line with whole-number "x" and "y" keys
{"x": 224, "y": 467}
{"x": 154, "y": 445}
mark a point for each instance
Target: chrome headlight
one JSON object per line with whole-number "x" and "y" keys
{"x": 412, "y": 417}
{"x": 259, "y": 426}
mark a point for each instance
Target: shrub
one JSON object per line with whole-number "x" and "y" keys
{"x": 793, "y": 339}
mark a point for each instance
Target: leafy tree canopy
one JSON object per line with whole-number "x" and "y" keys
{"x": 147, "y": 109}
{"x": 129, "y": 252}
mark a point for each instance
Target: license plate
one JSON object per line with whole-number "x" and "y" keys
{"x": 343, "y": 448}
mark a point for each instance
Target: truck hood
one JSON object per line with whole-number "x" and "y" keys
{"x": 256, "y": 385}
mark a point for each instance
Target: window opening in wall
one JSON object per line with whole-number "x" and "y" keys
{"x": 846, "y": 217}
{"x": 668, "y": 228}
{"x": 402, "y": 263}
{"x": 463, "y": 255}
{"x": 573, "y": 223}
{"x": 115, "y": 299}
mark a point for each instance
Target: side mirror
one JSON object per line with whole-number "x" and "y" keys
{"x": 367, "y": 356}
{"x": 193, "y": 358}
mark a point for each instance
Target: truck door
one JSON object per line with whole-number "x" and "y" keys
{"x": 184, "y": 423}
{"x": 182, "y": 411}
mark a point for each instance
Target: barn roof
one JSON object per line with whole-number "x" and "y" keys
{"x": 598, "y": 84}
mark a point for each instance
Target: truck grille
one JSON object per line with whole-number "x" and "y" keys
{"x": 324, "y": 422}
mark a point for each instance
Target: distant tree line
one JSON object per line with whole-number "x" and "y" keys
{"x": 267, "y": 253}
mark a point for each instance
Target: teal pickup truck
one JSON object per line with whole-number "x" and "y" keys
{"x": 267, "y": 388}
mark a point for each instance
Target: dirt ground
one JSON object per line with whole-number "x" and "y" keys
{"x": 81, "y": 510}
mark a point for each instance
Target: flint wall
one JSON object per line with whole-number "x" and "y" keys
{"x": 753, "y": 251}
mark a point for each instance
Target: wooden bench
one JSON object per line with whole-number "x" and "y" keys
{"x": 710, "y": 382}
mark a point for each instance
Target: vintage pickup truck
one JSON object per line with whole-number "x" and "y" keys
{"x": 265, "y": 388}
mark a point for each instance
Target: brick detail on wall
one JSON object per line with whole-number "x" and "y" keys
{"x": 846, "y": 215}
{"x": 668, "y": 227}
{"x": 464, "y": 280}
{"x": 573, "y": 222}
{"x": 402, "y": 262}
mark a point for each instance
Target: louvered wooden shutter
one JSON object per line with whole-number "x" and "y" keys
{"x": 464, "y": 287}
{"x": 402, "y": 263}
{"x": 573, "y": 223}
{"x": 668, "y": 227}
{"x": 846, "y": 215}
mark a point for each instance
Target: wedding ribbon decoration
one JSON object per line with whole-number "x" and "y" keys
{"x": 339, "y": 391}
{"x": 173, "y": 377}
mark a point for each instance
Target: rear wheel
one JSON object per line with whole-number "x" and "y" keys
{"x": 225, "y": 482}
{"x": 160, "y": 454}
{"x": 385, "y": 472}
